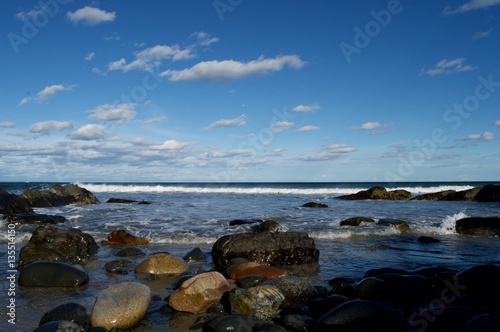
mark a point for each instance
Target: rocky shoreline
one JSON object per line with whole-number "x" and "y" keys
{"x": 256, "y": 280}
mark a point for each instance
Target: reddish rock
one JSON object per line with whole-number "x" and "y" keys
{"x": 238, "y": 271}
{"x": 199, "y": 293}
{"x": 123, "y": 238}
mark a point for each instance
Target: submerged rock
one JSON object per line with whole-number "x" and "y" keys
{"x": 478, "y": 225}
{"x": 247, "y": 269}
{"x": 400, "y": 225}
{"x": 123, "y": 238}
{"x": 52, "y": 274}
{"x": 120, "y": 201}
{"x": 315, "y": 205}
{"x": 355, "y": 221}
{"x": 60, "y": 326}
{"x": 378, "y": 193}
{"x": 267, "y": 226}
{"x": 237, "y": 222}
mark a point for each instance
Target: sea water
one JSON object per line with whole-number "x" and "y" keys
{"x": 183, "y": 216}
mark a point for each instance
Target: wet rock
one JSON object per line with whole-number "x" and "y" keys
{"x": 478, "y": 225}
{"x": 315, "y": 205}
{"x": 464, "y": 195}
{"x": 144, "y": 203}
{"x": 477, "y": 278}
{"x": 267, "y": 226}
{"x": 378, "y": 193}
{"x": 342, "y": 286}
{"x": 121, "y": 306}
{"x": 261, "y": 302}
{"x": 296, "y": 290}
{"x": 237, "y": 222}
{"x": 443, "y": 318}
{"x": 355, "y": 221}
{"x": 73, "y": 194}
{"x": 320, "y": 306}
{"x": 58, "y": 245}
{"x": 72, "y": 312}
{"x": 437, "y": 196}
{"x": 123, "y": 238}
{"x": 199, "y": 293}
{"x": 52, "y": 274}
{"x": 120, "y": 201}
{"x": 489, "y": 193}
{"x": 250, "y": 281}
{"x": 42, "y": 198}
{"x": 385, "y": 270}
{"x": 240, "y": 323}
{"x": 360, "y": 315}
{"x": 34, "y": 218}
{"x": 118, "y": 266}
{"x": 400, "y": 225}
{"x": 195, "y": 255}
{"x": 130, "y": 252}
{"x": 242, "y": 270}
{"x": 296, "y": 323}
{"x": 427, "y": 239}
{"x": 60, "y": 326}
{"x": 11, "y": 204}
{"x": 162, "y": 263}
{"x": 283, "y": 248}
{"x": 268, "y": 327}
{"x": 483, "y": 323}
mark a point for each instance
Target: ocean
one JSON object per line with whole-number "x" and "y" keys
{"x": 183, "y": 216}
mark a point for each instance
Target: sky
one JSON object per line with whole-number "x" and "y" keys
{"x": 250, "y": 91}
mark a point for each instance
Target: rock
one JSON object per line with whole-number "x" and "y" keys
{"x": 282, "y": 248}
{"x": 464, "y": 195}
{"x": 268, "y": 226}
{"x": 320, "y": 306}
{"x": 130, "y": 252}
{"x": 34, "y": 218}
{"x": 120, "y": 201}
{"x": 195, "y": 255}
{"x": 360, "y": 315}
{"x": 52, "y": 274}
{"x": 296, "y": 323}
{"x": 48, "y": 243}
{"x": 355, "y": 221}
{"x": 477, "y": 278}
{"x": 60, "y": 326}
{"x": 199, "y": 293}
{"x": 237, "y": 222}
{"x": 242, "y": 270}
{"x": 427, "y": 239}
{"x": 73, "y": 194}
{"x": 400, "y": 225}
{"x": 250, "y": 281}
{"x": 437, "y": 196}
{"x": 11, "y": 204}
{"x": 378, "y": 193}
{"x": 117, "y": 266}
{"x": 261, "y": 302}
{"x": 144, "y": 203}
{"x": 42, "y": 198}
{"x": 315, "y": 205}
{"x": 443, "y": 318}
{"x": 123, "y": 238}
{"x": 268, "y": 327}
{"x": 162, "y": 264}
{"x": 296, "y": 290}
{"x": 72, "y": 312}
{"x": 239, "y": 323}
{"x": 342, "y": 286}
{"x": 483, "y": 323}
{"x": 385, "y": 270}
{"x": 121, "y": 306}
{"x": 489, "y": 193}
{"x": 478, "y": 225}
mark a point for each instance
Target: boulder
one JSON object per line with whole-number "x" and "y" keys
{"x": 199, "y": 293}
{"x": 72, "y": 312}
{"x": 437, "y": 196}
{"x": 355, "y": 221}
{"x": 478, "y": 226}
{"x": 296, "y": 290}
{"x": 315, "y": 205}
{"x": 378, "y": 193}
{"x": 120, "y": 201}
{"x": 42, "y": 198}
{"x": 34, "y": 218}
{"x": 261, "y": 302}
{"x": 489, "y": 193}
{"x": 48, "y": 243}
{"x": 52, "y": 274}
{"x": 73, "y": 194}
{"x": 11, "y": 203}
{"x": 121, "y": 306}
{"x": 162, "y": 263}
{"x": 400, "y": 225}
{"x": 464, "y": 195}
{"x": 247, "y": 269}
{"x": 282, "y": 248}
{"x": 444, "y": 318}
{"x": 477, "y": 278}
{"x": 123, "y": 238}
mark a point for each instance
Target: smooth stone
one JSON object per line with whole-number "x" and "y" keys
{"x": 386, "y": 270}
{"x": 130, "y": 252}
{"x": 342, "y": 286}
{"x": 483, "y": 323}
{"x": 199, "y": 293}
{"x": 355, "y": 221}
{"x": 296, "y": 323}
{"x": 195, "y": 255}
{"x": 478, "y": 278}
{"x": 238, "y": 271}
{"x": 162, "y": 263}
{"x": 60, "y": 326}
{"x": 267, "y": 302}
{"x": 117, "y": 266}
{"x": 72, "y": 312}
{"x": 52, "y": 274}
{"x": 239, "y": 323}
{"x": 321, "y": 306}
{"x": 121, "y": 306}
{"x": 444, "y": 318}
{"x": 123, "y": 238}
{"x": 296, "y": 290}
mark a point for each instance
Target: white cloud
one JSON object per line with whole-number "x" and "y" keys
{"x": 236, "y": 122}
{"x": 203, "y": 38}
{"x": 330, "y": 152}
{"x": 90, "y": 56}
{"x": 482, "y": 34}
{"x": 154, "y": 120}
{"x": 497, "y": 123}
{"x": 367, "y": 126}
{"x": 150, "y": 58}
{"x": 486, "y": 136}
{"x": 448, "y": 67}
{"x": 305, "y": 108}
{"x": 280, "y": 126}
{"x": 173, "y": 144}
{"x": 308, "y": 128}
{"x": 7, "y": 124}
{"x": 471, "y": 5}
{"x": 48, "y": 92}
{"x": 88, "y": 132}
{"x": 227, "y": 70}
{"x": 25, "y": 100}
{"x": 47, "y": 127}
{"x": 119, "y": 113}
{"x": 91, "y": 16}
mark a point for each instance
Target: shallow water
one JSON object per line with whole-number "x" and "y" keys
{"x": 184, "y": 216}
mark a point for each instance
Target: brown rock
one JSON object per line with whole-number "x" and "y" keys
{"x": 73, "y": 194}
{"x": 122, "y": 237}
{"x": 378, "y": 193}
{"x": 440, "y": 195}
{"x": 162, "y": 263}
{"x": 200, "y": 292}
{"x": 238, "y": 271}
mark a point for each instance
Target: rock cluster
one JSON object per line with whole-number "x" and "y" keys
{"x": 378, "y": 193}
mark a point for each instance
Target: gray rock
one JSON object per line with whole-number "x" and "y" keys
{"x": 195, "y": 255}
{"x": 118, "y": 266}
{"x": 315, "y": 205}
{"x": 120, "y": 201}
{"x": 400, "y": 225}
{"x": 52, "y": 274}
{"x": 478, "y": 278}
{"x": 464, "y": 195}
{"x": 42, "y": 198}
{"x": 267, "y": 226}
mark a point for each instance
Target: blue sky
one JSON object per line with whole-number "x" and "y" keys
{"x": 238, "y": 90}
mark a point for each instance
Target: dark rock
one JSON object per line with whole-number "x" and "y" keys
{"x": 250, "y": 281}
{"x": 117, "y": 266}
{"x": 52, "y": 274}
{"x": 122, "y": 238}
{"x": 464, "y": 195}
{"x": 434, "y": 196}
{"x": 483, "y": 323}
{"x": 360, "y": 315}
{"x": 442, "y": 318}
{"x": 489, "y": 193}
{"x": 237, "y": 222}
{"x": 48, "y": 243}
{"x": 283, "y": 248}
{"x": 42, "y": 198}
{"x": 195, "y": 255}
{"x": 34, "y": 218}
{"x": 130, "y": 252}
{"x": 355, "y": 221}
{"x": 73, "y": 194}
{"x": 400, "y": 225}
{"x": 342, "y": 286}
{"x": 378, "y": 193}
{"x": 268, "y": 226}
{"x": 120, "y": 201}
{"x": 296, "y": 323}
{"x": 181, "y": 280}
{"x": 478, "y": 278}
{"x": 315, "y": 205}
{"x": 11, "y": 204}
{"x": 427, "y": 239}
{"x": 319, "y": 307}
{"x": 240, "y": 323}
{"x": 268, "y": 327}
{"x": 385, "y": 270}
{"x": 97, "y": 329}
{"x": 144, "y": 203}
{"x": 72, "y": 312}
{"x": 478, "y": 225}
{"x": 295, "y": 289}
{"x": 60, "y": 326}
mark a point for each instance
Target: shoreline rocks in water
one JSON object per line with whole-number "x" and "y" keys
{"x": 123, "y": 238}
{"x": 378, "y": 193}
{"x": 478, "y": 226}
